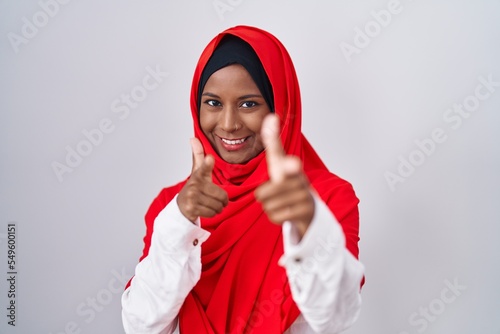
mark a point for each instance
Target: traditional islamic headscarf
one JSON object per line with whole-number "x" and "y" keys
{"x": 242, "y": 288}
{"x": 234, "y": 50}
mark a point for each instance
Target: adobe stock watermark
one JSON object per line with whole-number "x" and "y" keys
{"x": 453, "y": 117}
{"x": 31, "y": 27}
{"x": 263, "y": 310}
{"x": 325, "y": 247}
{"x": 223, "y": 6}
{"x": 89, "y": 308}
{"x": 380, "y": 19}
{"x": 425, "y": 315}
{"x": 323, "y": 250}
{"x": 121, "y": 107}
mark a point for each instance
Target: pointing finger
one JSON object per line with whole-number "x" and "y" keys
{"x": 198, "y": 153}
{"x": 274, "y": 149}
{"x": 206, "y": 168}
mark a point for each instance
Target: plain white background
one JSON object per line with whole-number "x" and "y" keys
{"x": 79, "y": 236}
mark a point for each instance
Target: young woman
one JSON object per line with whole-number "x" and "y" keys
{"x": 261, "y": 237}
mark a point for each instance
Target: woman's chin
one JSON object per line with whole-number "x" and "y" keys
{"x": 234, "y": 159}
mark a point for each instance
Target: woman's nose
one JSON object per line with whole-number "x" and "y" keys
{"x": 229, "y": 119}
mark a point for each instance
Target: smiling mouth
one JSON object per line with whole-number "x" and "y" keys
{"x": 233, "y": 144}
{"x": 234, "y": 141}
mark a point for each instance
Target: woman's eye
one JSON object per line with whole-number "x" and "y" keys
{"x": 248, "y": 104}
{"x": 213, "y": 103}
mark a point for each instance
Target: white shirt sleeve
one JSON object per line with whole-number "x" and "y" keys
{"x": 165, "y": 277}
{"x": 324, "y": 276}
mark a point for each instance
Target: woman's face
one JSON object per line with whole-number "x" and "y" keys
{"x": 231, "y": 113}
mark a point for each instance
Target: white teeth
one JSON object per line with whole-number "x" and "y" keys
{"x": 233, "y": 142}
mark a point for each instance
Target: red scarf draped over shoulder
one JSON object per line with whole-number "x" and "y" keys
{"x": 242, "y": 288}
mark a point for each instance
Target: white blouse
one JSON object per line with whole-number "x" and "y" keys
{"x": 324, "y": 276}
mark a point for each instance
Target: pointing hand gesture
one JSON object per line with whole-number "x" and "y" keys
{"x": 286, "y": 196}
{"x": 200, "y": 197}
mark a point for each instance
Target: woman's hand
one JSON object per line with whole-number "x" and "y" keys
{"x": 200, "y": 197}
{"x": 287, "y": 195}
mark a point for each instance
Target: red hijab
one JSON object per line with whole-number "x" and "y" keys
{"x": 242, "y": 288}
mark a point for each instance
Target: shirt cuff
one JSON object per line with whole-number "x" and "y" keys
{"x": 174, "y": 233}
{"x": 324, "y": 235}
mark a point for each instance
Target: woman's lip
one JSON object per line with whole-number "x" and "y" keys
{"x": 233, "y": 139}
{"x": 233, "y": 144}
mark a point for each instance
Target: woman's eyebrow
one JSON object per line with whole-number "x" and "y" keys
{"x": 249, "y": 96}
{"x": 211, "y": 95}
{"x": 243, "y": 97}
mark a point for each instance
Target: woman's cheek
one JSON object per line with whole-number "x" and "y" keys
{"x": 206, "y": 123}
